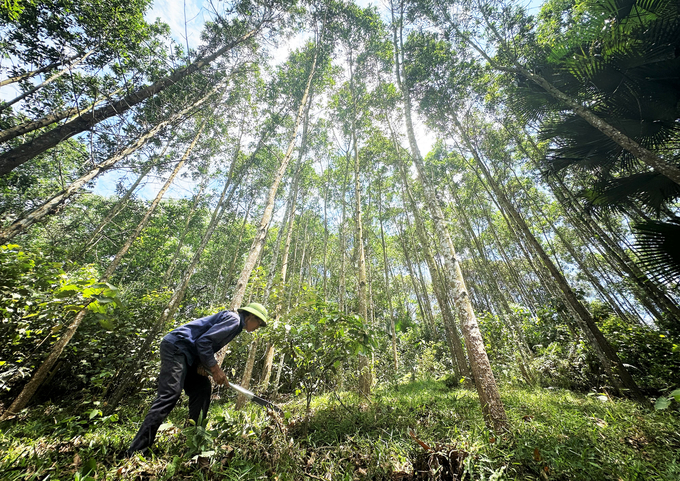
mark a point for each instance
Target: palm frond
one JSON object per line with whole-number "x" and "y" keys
{"x": 650, "y": 189}
{"x": 657, "y": 247}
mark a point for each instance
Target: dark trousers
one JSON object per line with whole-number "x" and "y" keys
{"x": 175, "y": 374}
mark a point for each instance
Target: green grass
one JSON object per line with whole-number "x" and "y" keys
{"x": 555, "y": 435}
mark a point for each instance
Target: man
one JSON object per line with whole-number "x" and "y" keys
{"x": 187, "y": 355}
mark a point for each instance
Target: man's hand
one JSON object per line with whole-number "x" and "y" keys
{"x": 201, "y": 371}
{"x": 218, "y": 375}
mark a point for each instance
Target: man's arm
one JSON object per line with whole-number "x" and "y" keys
{"x": 223, "y": 331}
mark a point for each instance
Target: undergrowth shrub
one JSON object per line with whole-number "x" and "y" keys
{"x": 38, "y": 298}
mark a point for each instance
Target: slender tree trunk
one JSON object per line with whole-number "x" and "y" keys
{"x": 267, "y": 369}
{"x": 359, "y": 236}
{"x": 365, "y": 374}
{"x": 181, "y": 288}
{"x": 388, "y": 293}
{"x": 438, "y": 283}
{"x": 258, "y": 242}
{"x": 180, "y": 243}
{"x": 286, "y": 227}
{"x": 288, "y": 223}
{"x": 53, "y": 203}
{"x": 492, "y": 406}
{"x": 28, "y": 150}
{"x": 48, "y": 81}
{"x": 648, "y": 157}
{"x": 343, "y": 242}
{"x": 32, "y": 125}
{"x": 325, "y": 233}
{"x": 33, "y": 73}
{"x": 122, "y": 202}
{"x": 606, "y": 353}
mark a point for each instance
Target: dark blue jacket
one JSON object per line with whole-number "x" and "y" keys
{"x": 203, "y": 337}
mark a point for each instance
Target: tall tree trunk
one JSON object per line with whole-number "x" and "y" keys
{"x": 325, "y": 232}
{"x": 258, "y": 242}
{"x": 33, "y": 73}
{"x": 492, "y": 406}
{"x": 287, "y": 227}
{"x": 388, "y": 293}
{"x": 359, "y": 237}
{"x": 33, "y": 125}
{"x": 28, "y": 150}
{"x": 180, "y": 243}
{"x": 365, "y": 374}
{"x": 438, "y": 283}
{"x": 648, "y": 157}
{"x": 53, "y": 203}
{"x": 606, "y": 353}
{"x": 343, "y": 242}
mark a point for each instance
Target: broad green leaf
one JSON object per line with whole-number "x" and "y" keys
{"x": 662, "y": 403}
{"x": 676, "y": 395}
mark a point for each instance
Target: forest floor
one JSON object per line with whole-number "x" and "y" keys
{"x": 555, "y": 435}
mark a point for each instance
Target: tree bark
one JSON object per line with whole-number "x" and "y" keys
{"x": 492, "y": 406}
{"x": 438, "y": 283}
{"x": 28, "y": 150}
{"x": 258, "y": 242}
{"x": 606, "y": 353}
{"x": 393, "y": 331}
{"x": 267, "y": 369}
{"x": 52, "y": 204}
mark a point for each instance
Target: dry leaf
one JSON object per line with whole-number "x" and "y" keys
{"x": 422, "y": 444}
{"x": 537, "y": 455}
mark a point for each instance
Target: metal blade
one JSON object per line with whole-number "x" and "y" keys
{"x": 242, "y": 390}
{"x": 256, "y": 399}
{"x": 267, "y": 404}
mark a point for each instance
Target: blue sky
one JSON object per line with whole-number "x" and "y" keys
{"x": 172, "y": 12}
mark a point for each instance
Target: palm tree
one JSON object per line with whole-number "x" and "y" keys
{"x": 620, "y": 58}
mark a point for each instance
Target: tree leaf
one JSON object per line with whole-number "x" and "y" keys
{"x": 676, "y": 394}
{"x": 662, "y": 403}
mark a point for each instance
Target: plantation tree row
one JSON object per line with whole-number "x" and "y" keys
{"x": 533, "y": 243}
